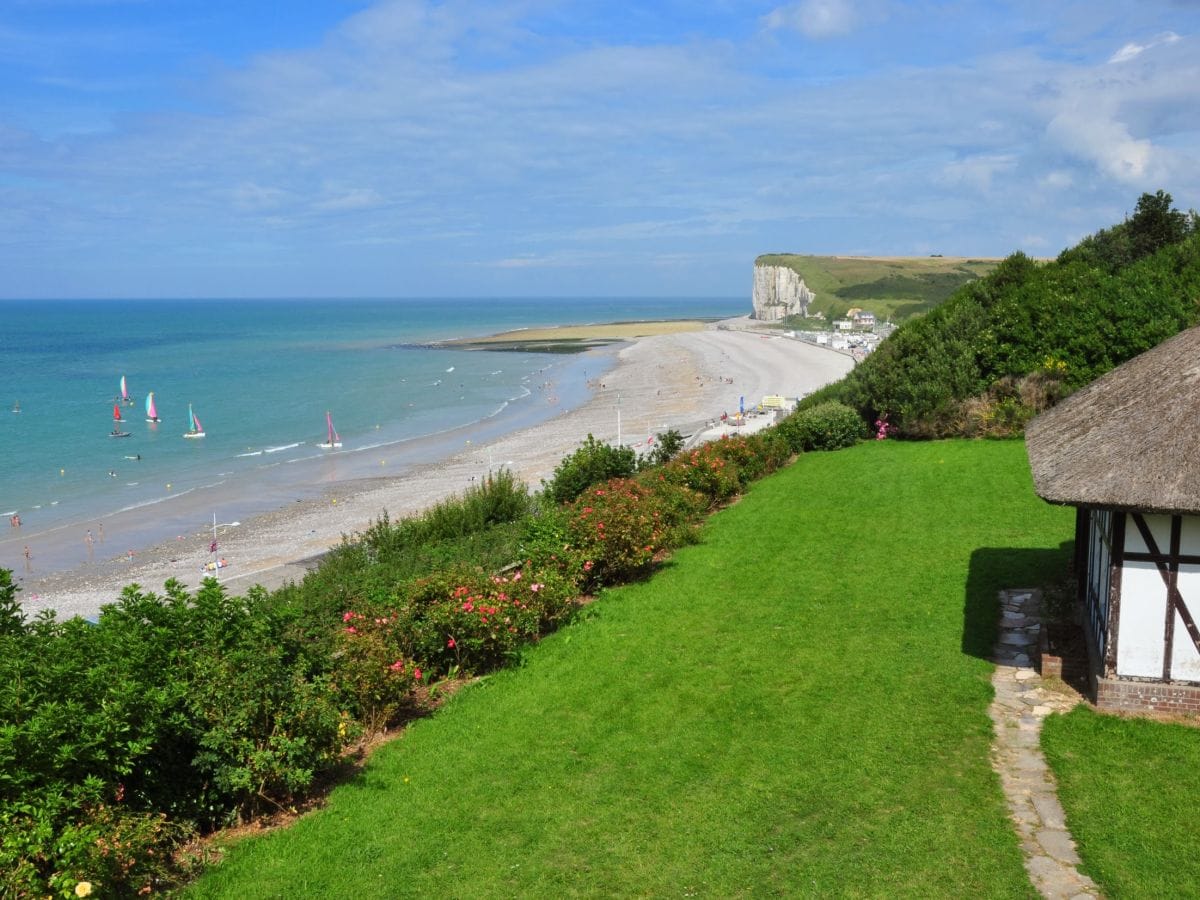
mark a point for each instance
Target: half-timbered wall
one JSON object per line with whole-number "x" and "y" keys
{"x": 1157, "y": 636}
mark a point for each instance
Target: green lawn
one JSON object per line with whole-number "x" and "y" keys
{"x": 794, "y": 707}
{"x": 1129, "y": 787}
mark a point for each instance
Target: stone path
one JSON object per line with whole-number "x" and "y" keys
{"x": 1021, "y": 704}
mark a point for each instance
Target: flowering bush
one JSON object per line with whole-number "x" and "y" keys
{"x": 100, "y": 849}
{"x": 752, "y": 456}
{"x": 705, "y": 470}
{"x": 374, "y": 674}
{"x": 471, "y": 622}
{"x": 617, "y": 527}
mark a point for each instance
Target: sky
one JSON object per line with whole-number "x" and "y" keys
{"x": 333, "y": 148}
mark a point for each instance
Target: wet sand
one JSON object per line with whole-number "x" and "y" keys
{"x": 671, "y": 380}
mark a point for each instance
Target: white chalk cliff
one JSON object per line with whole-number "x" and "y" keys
{"x": 779, "y": 292}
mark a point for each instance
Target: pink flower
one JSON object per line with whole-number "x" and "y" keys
{"x": 450, "y": 643}
{"x": 535, "y": 587}
{"x": 350, "y": 629}
{"x": 586, "y": 510}
{"x": 397, "y": 666}
{"x": 417, "y": 674}
{"x": 347, "y": 617}
{"x": 517, "y": 577}
{"x": 587, "y": 566}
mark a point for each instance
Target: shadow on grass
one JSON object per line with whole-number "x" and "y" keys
{"x": 992, "y": 569}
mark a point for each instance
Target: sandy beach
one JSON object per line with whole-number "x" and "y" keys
{"x": 668, "y": 380}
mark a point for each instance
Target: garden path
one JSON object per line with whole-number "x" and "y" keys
{"x": 1021, "y": 704}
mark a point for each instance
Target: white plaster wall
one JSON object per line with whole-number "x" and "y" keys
{"x": 1185, "y": 659}
{"x": 1143, "y": 611}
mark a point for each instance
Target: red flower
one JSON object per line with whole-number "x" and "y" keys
{"x": 587, "y": 566}
{"x": 450, "y": 643}
{"x": 417, "y": 674}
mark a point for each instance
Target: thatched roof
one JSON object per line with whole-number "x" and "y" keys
{"x": 1129, "y": 440}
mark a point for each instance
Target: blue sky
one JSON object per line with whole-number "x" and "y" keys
{"x": 163, "y": 148}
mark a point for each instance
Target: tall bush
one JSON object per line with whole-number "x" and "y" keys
{"x": 592, "y": 463}
{"x": 827, "y": 426}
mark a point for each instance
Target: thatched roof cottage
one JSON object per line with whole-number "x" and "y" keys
{"x": 1124, "y": 451}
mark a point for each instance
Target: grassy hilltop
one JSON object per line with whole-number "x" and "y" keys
{"x": 894, "y": 287}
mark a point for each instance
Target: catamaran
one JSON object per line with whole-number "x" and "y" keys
{"x": 151, "y": 409}
{"x": 125, "y": 398}
{"x": 195, "y": 429}
{"x": 333, "y": 441}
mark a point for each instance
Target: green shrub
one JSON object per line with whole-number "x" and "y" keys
{"x": 826, "y": 426}
{"x": 500, "y": 497}
{"x": 592, "y": 463}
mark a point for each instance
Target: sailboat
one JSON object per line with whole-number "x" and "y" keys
{"x": 195, "y": 429}
{"x": 334, "y": 440}
{"x": 17, "y": 406}
{"x": 125, "y": 398}
{"x": 151, "y": 409}
{"x": 117, "y": 423}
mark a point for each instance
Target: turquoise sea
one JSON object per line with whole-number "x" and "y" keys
{"x": 260, "y": 375}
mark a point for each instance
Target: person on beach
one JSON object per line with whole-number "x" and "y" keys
{"x": 100, "y": 531}
{"x": 28, "y": 560}
{"x": 90, "y": 542}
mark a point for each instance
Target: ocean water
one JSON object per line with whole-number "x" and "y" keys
{"x": 260, "y": 375}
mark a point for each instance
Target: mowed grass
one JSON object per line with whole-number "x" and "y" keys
{"x": 794, "y": 707}
{"x": 1129, "y": 788}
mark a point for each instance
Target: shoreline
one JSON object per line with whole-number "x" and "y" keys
{"x": 680, "y": 379}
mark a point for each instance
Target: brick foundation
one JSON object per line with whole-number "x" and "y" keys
{"x": 1145, "y": 696}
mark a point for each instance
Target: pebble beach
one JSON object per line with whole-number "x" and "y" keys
{"x": 684, "y": 380}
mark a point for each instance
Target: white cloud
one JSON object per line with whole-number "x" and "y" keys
{"x": 1132, "y": 50}
{"x": 815, "y": 19}
{"x": 978, "y": 171}
{"x": 346, "y": 201}
{"x": 255, "y": 198}
{"x": 1099, "y": 138}
{"x": 1057, "y": 180}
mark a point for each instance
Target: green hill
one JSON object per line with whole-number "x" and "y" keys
{"x": 1007, "y": 345}
{"x": 892, "y": 287}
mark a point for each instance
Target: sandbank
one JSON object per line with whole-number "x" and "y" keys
{"x": 681, "y": 378}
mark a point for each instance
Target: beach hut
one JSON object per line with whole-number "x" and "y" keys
{"x": 1124, "y": 452}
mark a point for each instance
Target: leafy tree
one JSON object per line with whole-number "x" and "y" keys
{"x": 1155, "y": 224}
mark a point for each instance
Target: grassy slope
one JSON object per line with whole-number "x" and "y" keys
{"x": 794, "y": 707}
{"x": 1129, "y": 787}
{"x": 887, "y": 286}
